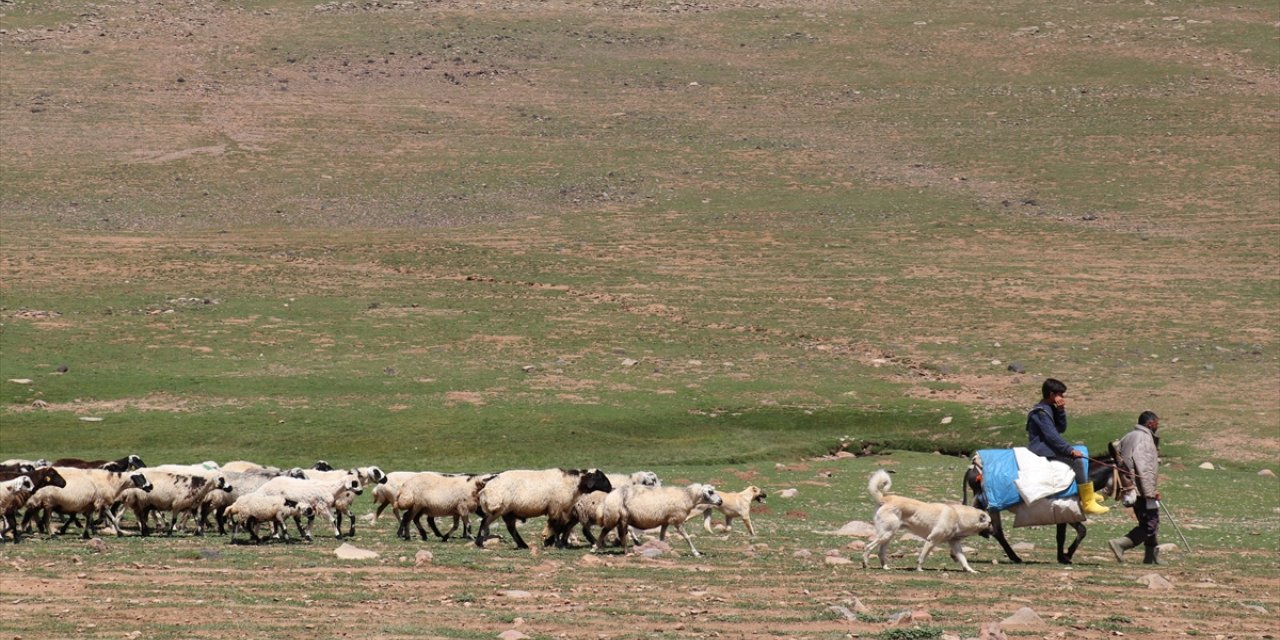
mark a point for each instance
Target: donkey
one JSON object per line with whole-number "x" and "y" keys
{"x": 1102, "y": 475}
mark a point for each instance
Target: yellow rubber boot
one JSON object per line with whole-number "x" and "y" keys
{"x": 1089, "y": 501}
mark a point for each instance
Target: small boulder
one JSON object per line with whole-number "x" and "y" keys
{"x": 843, "y": 612}
{"x": 837, "y": 560}
{"x": 348, "y": 552}
{"x": 1155, "y": 581}
{"x": 1267, "y": 473}
{"x": 1017, "y": 367}
{"x": 788, "y": 493}
{"x": 991, "y": 631}
{"x": 857, "y": 529}
{"x": 422, "y": 558}
{"x": 96, "y": 545}
{"x": 1023, "y": 619}
{"x": 1207, "y": 466}
{"x": 515, "y": 594}
{"x": 512, "y": 634}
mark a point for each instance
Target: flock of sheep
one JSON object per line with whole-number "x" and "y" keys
{"x": 245, "y": 494}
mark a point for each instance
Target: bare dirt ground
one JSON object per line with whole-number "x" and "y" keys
{"x": 740, "y": 590}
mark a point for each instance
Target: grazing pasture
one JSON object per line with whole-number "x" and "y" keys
{"x": 717, "y": 240}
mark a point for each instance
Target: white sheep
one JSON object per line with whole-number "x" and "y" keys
{"x": 436, "y": 495}
{"x": 87, "y": 491}
{"x": 250, "y": 510}
{"x": 245, "y": 466}
{"x": 585, "y": 513}
{"x": 321, "y": 495}
{"x": 177, "y": 493}
{"x": 649, "y": 507}
{"x": 644, "y": 478}
{"x": 342, "y": 506}
{"x": 384, "y": 494}
{"x": 242, "y": 483}
{"x": 521, "y": 494}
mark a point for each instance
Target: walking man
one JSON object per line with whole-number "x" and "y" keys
{"x": 1140, "y": 462}
{"x": 1046, "y": 423}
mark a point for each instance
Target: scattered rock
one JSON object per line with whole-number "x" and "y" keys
{"x": 515, "y": 594}
{"x": 857, "y": 529}
{"x": 1168, "y": 547}
{"x": 945, "y": 420}
{"x": 1024, "y": 547}
{"x": 630, "y": 362}
{"x": 653, "y": 548}
{"x": 492, "y": 543}
{"x": 1155, "y": 581}
{"x": 90, "y": 419}
{"x": 96, "y": 545}
{"x": 210, "y": 554}
{"x": 904, "y": 618}
{"x": 837, "y": 560}
{"x": 422, "y": 557}
{"x": 1207, "y": 465}
{"x": 21, "y": 380}
{"x": 1023, "y": 619}
{"x": 857, "y": 545}
{"x": 133, "y": 635}
{"x": 856, "y": 605}
{"x": 788, "y": 493}
{"x": 843, "y": 612}
{"x": 1256, "y": 607}
{"x": 512, "y": 634}
{"x": 528, "y": 368}
{"x": 40, "y": 404}
{"x": 348, "y": 552}
{"x": 802, "y": 553}
{"x": 991, "y": 631}
{"x": 1017, "y": 367}
{"x": 1266, "y": 473}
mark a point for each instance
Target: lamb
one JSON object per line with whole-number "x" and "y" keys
{"x": 438, "y": 495}
{"x": 648, "y": 507}
{"x": 242, "y": 483}
{"x": 736, "y": 505}
{"x": 86, "y": 491}
{"x": 250, "y": 510}
{"x": 12, "y": 493}
{"x": 130, "y": 462}
{"x": 523, "y": 494}
{"x": 321, "y": 495}
{"x": 584, "y": 513}
{"x": 342, "y": 506}
{"x": 176, "y": 493}
{"x": 41, "y": 477}
{"x": 22, "y": 466}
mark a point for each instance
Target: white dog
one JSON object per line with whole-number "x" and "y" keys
{"x": 936, "y": 522}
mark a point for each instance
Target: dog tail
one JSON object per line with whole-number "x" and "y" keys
{"x": 879, "y": 485}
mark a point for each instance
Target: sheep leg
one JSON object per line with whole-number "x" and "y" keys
{"x": 680, "y": 530}
{"x": 402, "y": 531}
{"x": 431, "y": 522}
{"x": 483, "y": 531}
{"x": 378, "y": 512}
{"x": 234, "y": 526}
{"x": 586, "y": 533}
{"x": 305, "y": 533}
{"x": 510, "y": 519}
{"x": 173, "y": 523}
{"x": 445, "y": 537}
{"x": 417, "y": 522}
{"x": 89, "y": 526}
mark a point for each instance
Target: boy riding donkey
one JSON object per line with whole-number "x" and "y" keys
{"x": 1046, "y": 423}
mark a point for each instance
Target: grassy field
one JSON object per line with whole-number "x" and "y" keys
{"x": 702, "y": 238}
